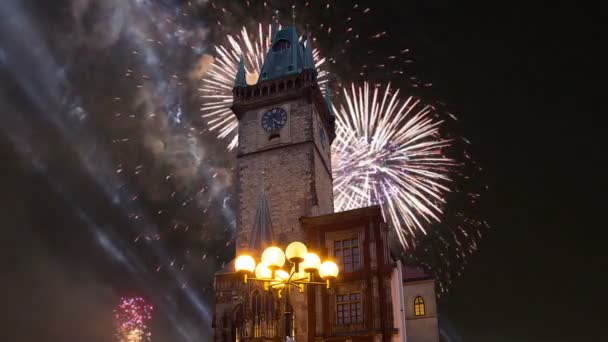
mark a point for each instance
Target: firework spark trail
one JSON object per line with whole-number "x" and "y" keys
{"x": 132, "y": 315}
{"x": 439, "y": 240}
{"x": 216, "y": 87}
{"x": 170, "y": 136}
{"x": 390, "y": 152}
{"x": 425, "y": 198}
{"x": 20, "y": 135}
{"x": 45, "y": 90}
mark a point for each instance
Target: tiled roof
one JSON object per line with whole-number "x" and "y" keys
{"x": 413, "y": 273}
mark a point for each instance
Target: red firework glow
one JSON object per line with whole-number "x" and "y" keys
{"x": 131, "y": 316}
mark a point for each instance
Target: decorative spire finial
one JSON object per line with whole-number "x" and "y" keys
{"x": 293, "y": 13}
{"x": 241, "y": 74}
{"x": 328, "y": 98}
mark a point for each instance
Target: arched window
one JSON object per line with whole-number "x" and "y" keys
{"x": 256, "y": 310}
{"x": 419, "y": 306}
{"x": 270, "y": 317}
{"x": 281, "y": 45}
{"x": 239, "y": 324}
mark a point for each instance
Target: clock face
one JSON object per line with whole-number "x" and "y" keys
{"x": 274, "y": 119}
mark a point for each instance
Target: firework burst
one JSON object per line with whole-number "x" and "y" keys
{"x": 131, "y": 317}
{"x": 390, "y": 152}
{"x": 396, "y": 152}
{"x": 216, "y": 88}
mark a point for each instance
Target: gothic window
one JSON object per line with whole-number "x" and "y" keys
{"x": 347, "y": 254}
{"x": 239, "y": 324}
{"x": 419, "y": 306}
{"x": 281, "y": 45}
{"x": 256, "y": 309}
{"x": 226, "y": 327}
{"x": 348, "y": 308}
{"x": 289, "y": 317}
{"x": 270, "y": 317}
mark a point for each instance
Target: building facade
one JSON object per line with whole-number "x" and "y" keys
{"x": 284, "y": 187}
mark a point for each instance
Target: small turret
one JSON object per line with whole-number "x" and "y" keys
{"x": 330, "y": 106}
{"x": 328, "y": 99}
{"x": 241, "y": 75}
{"x": 309, "y": 61}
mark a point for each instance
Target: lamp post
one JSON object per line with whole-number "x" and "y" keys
{"x": 275, "y": 274}
{"x": 272, "y": 273}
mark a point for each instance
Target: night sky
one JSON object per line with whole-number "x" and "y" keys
{"x": 521, "y": 78}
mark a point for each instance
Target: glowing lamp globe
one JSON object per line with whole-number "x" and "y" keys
{"x": 328, "y": 270}
{"x": 281, "y": 275}
{"x": 262, "y": 271}
{"x": 295, "y": 252}
{"x": 311, "y": 262}
{"x": 244, "y": 264}
{"x": 274, "y": 257}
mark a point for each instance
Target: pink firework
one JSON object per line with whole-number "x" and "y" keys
{"x": 131, "y": 317}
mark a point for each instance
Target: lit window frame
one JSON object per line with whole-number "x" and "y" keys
{"x": 351, "y": 308}
{"x": 419, "y": 308}
{"x": 340, "y": 250}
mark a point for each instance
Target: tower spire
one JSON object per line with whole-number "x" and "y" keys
{"x": 261, "y": 232}
{"x": 241, "y": 74}
{"x": 328, "y": 99}
{"x": 309, "y": 62}
{"x": 293, "y": 13}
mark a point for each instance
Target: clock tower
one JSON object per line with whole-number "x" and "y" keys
{"x": 285, "y": 132}
{"x": 284, "y": 189}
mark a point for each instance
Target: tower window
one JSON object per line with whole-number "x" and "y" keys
{"x": 256, "y": 308}
{"x": 348, "y": 308}
{"x": 270, "y": 317}
{"x": 347, "y": 254}
{"x": 281, "y": 45}
{"x": 289, "y": 320}
{"x": 239, "y": 324}
{"x": 419, "y": 306}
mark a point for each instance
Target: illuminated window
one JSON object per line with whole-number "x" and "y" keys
{"x": 347, "y": 254}
{"x": 419, "y": 306}
{"x": 348, "y": 308}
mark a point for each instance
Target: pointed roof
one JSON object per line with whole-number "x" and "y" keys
{"x": 309, "y": 61}
{"x": 328, "y": 99}
{"x": 241, "y": 75}
{"x": 261, "y": 233}
{"x": 285, "y": 57}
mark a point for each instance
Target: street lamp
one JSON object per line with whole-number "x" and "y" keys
{"x": 272, "y": 272}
